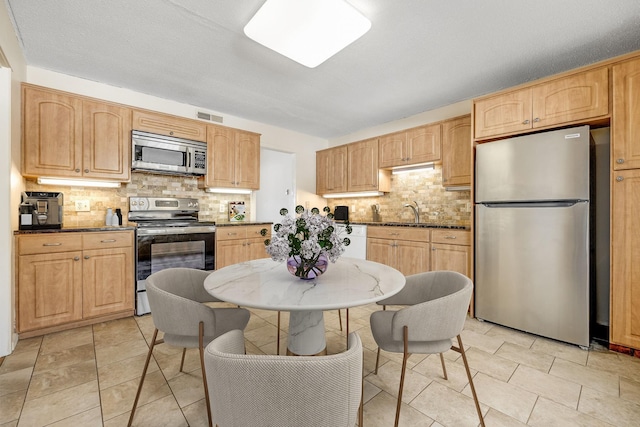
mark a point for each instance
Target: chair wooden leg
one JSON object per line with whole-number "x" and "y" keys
{"x": 204, "y": 374}
{"x": 444, "y": 368}
{"x": 347, "y": 327}
{"x": 184, "y": 352}
{"x": 405, "y": 356}
{"x": 340, "y": 319}
{"x": 144, "y": 373}
{"x": 460, "y": 349}
{"x": 278, "y": 336}
{"x": 377, "y": 360}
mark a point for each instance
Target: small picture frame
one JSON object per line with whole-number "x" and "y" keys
{"x": 237, "y": 212}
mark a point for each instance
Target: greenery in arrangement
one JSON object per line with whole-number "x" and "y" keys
{"x": 307, "y": 236}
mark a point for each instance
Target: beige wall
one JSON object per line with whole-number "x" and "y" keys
{"x": 11, "y": 182}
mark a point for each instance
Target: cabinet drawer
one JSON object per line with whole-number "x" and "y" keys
{"x": 49, "y": 243}
{"x": 231, "y": 233}
{"x": 253, "y": 231}
{"x": 451, "y": 237}
{"x": 165, "y": 124}
{"x": 400, "y": 233}
{"x": 110, "y": 239}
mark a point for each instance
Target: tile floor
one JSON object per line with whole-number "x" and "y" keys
{"x": 88, "y": 377}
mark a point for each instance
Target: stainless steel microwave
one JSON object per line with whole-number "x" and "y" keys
{"x": 166, "y": 154}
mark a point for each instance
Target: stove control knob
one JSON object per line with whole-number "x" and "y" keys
{"x": 195, "y": 204}
{"x": 134, "y": 203}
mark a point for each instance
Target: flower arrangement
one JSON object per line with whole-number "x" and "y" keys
{"x": 306, "y": 241}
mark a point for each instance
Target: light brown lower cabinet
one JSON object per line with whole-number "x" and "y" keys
{"x": 451, "y": 250}
{"x": 406, "y": 249}
{"x": 71, "y": 279}
{"x": 625, "y": 259}
{"x": 240, "y": 243}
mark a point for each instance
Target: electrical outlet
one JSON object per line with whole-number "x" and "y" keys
{"x": 353, "y": 208}
{"x": 222, "y": 207}
{"x": 82, "y": 206}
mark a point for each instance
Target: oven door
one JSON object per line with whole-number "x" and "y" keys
{"x": 156, "y": 252}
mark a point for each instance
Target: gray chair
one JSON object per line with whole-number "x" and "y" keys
{"x": 268, "y": 390}
{"x": 437, "y": 308}
{"x": 176, "y": 297}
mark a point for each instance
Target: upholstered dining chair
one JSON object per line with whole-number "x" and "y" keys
{"x": 177, "y": 297}
{"x": 437, "y": 303}
{"x": 269, "y": 390}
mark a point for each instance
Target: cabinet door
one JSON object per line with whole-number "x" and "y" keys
{"x": 393, "y": 150}
{"x": 576, "y": 97}
{"x": 500, "y": 114}
{"x": 107, "y": 281}
{"x": 256, "y": 249}
{"x": 220, "y": 157}
{"x": 625, "y": 142}
{"x": 456, "y": 150}
{"x": 625, "y": 253}
{"x": 247, "y": 164}
{"x": 165, "y": 124}
{"x": 382, "y": 251}
{"x": 362, "y": 165}
{"x": 451, "y": 257}
{"x": 230, "y": 252}
{"x": 52, "y": 134}
{"x": 331, "y": 170}
{"x": 424, "y": 144}
{"x": 106, "y": 139}
{"x": 412, "y": 257}
{"x": 49, "y": 290}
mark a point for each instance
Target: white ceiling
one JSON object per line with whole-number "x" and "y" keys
{"x": 418, "y": 55}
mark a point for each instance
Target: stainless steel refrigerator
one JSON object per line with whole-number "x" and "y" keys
{"x": 532, "y": 227}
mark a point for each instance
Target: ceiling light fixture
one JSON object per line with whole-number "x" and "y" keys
{"x": 309, "y": 31}
{"x": 77, "y": 182}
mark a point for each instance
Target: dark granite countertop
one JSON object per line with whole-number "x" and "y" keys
{"x": 410, "y": 224}
{"x": 231, "y": 224}
{"x": 83, "y": 229}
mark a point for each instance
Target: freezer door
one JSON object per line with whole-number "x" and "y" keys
{"x": 532, "y": 269}
{"x": 545, "y": 166}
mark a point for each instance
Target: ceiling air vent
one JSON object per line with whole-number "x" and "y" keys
{"x": 210, "y": 117}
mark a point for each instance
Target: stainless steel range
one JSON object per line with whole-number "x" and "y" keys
{"x": 168, "y": 235}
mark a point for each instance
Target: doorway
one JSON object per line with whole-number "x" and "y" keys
{"x": 277, "y": 185}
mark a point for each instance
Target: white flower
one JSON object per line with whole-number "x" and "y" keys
{"x": 308, "y": 236}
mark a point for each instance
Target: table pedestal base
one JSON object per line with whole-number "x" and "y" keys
{"x": 306, "y": 333}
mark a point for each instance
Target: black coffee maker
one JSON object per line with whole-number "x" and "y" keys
{"x": 40, "y": 210}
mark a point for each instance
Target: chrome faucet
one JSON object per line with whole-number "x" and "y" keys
{"x": 416, "y": 215}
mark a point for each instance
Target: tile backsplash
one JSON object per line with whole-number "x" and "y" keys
{"x": 142, "y": 185}
{"x": 436, "y": 205}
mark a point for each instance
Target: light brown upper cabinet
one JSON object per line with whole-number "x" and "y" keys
{"x": 233, "y": 158}
{"x": 331, "y": 170}
{"x": 363, "y": 173}
{"x": 566, "y": 99}
{"x": 625, "y": 143}
{"x": 411, "y": 146}
{"x": 165, "y": 124}
{"x": 69, "y": 136}
{"x": 456, "y": 152}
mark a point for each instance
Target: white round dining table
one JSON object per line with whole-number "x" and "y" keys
{"x": 268, "y": 285}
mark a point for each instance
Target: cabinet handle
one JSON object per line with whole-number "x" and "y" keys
{"x": 536, "y": 120}
{"x": 86, "y": 171}
{"x": 171, "y": 133}
{"x": 620, "y": 161}
{"x": 52, "y": 244}
{"x": 449, "y": 237}
{"x": 77, "y": 170}
{"x": 76, "y": 258}
{"x": 87, "y": 257}
{"x": 231, "y": 234}
{"x": 108, "y": 241}
{"x": 526, "y": 122}
{"x": 619, "y": 178}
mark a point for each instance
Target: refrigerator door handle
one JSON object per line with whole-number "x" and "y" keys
{"x": 562, "y": 204}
